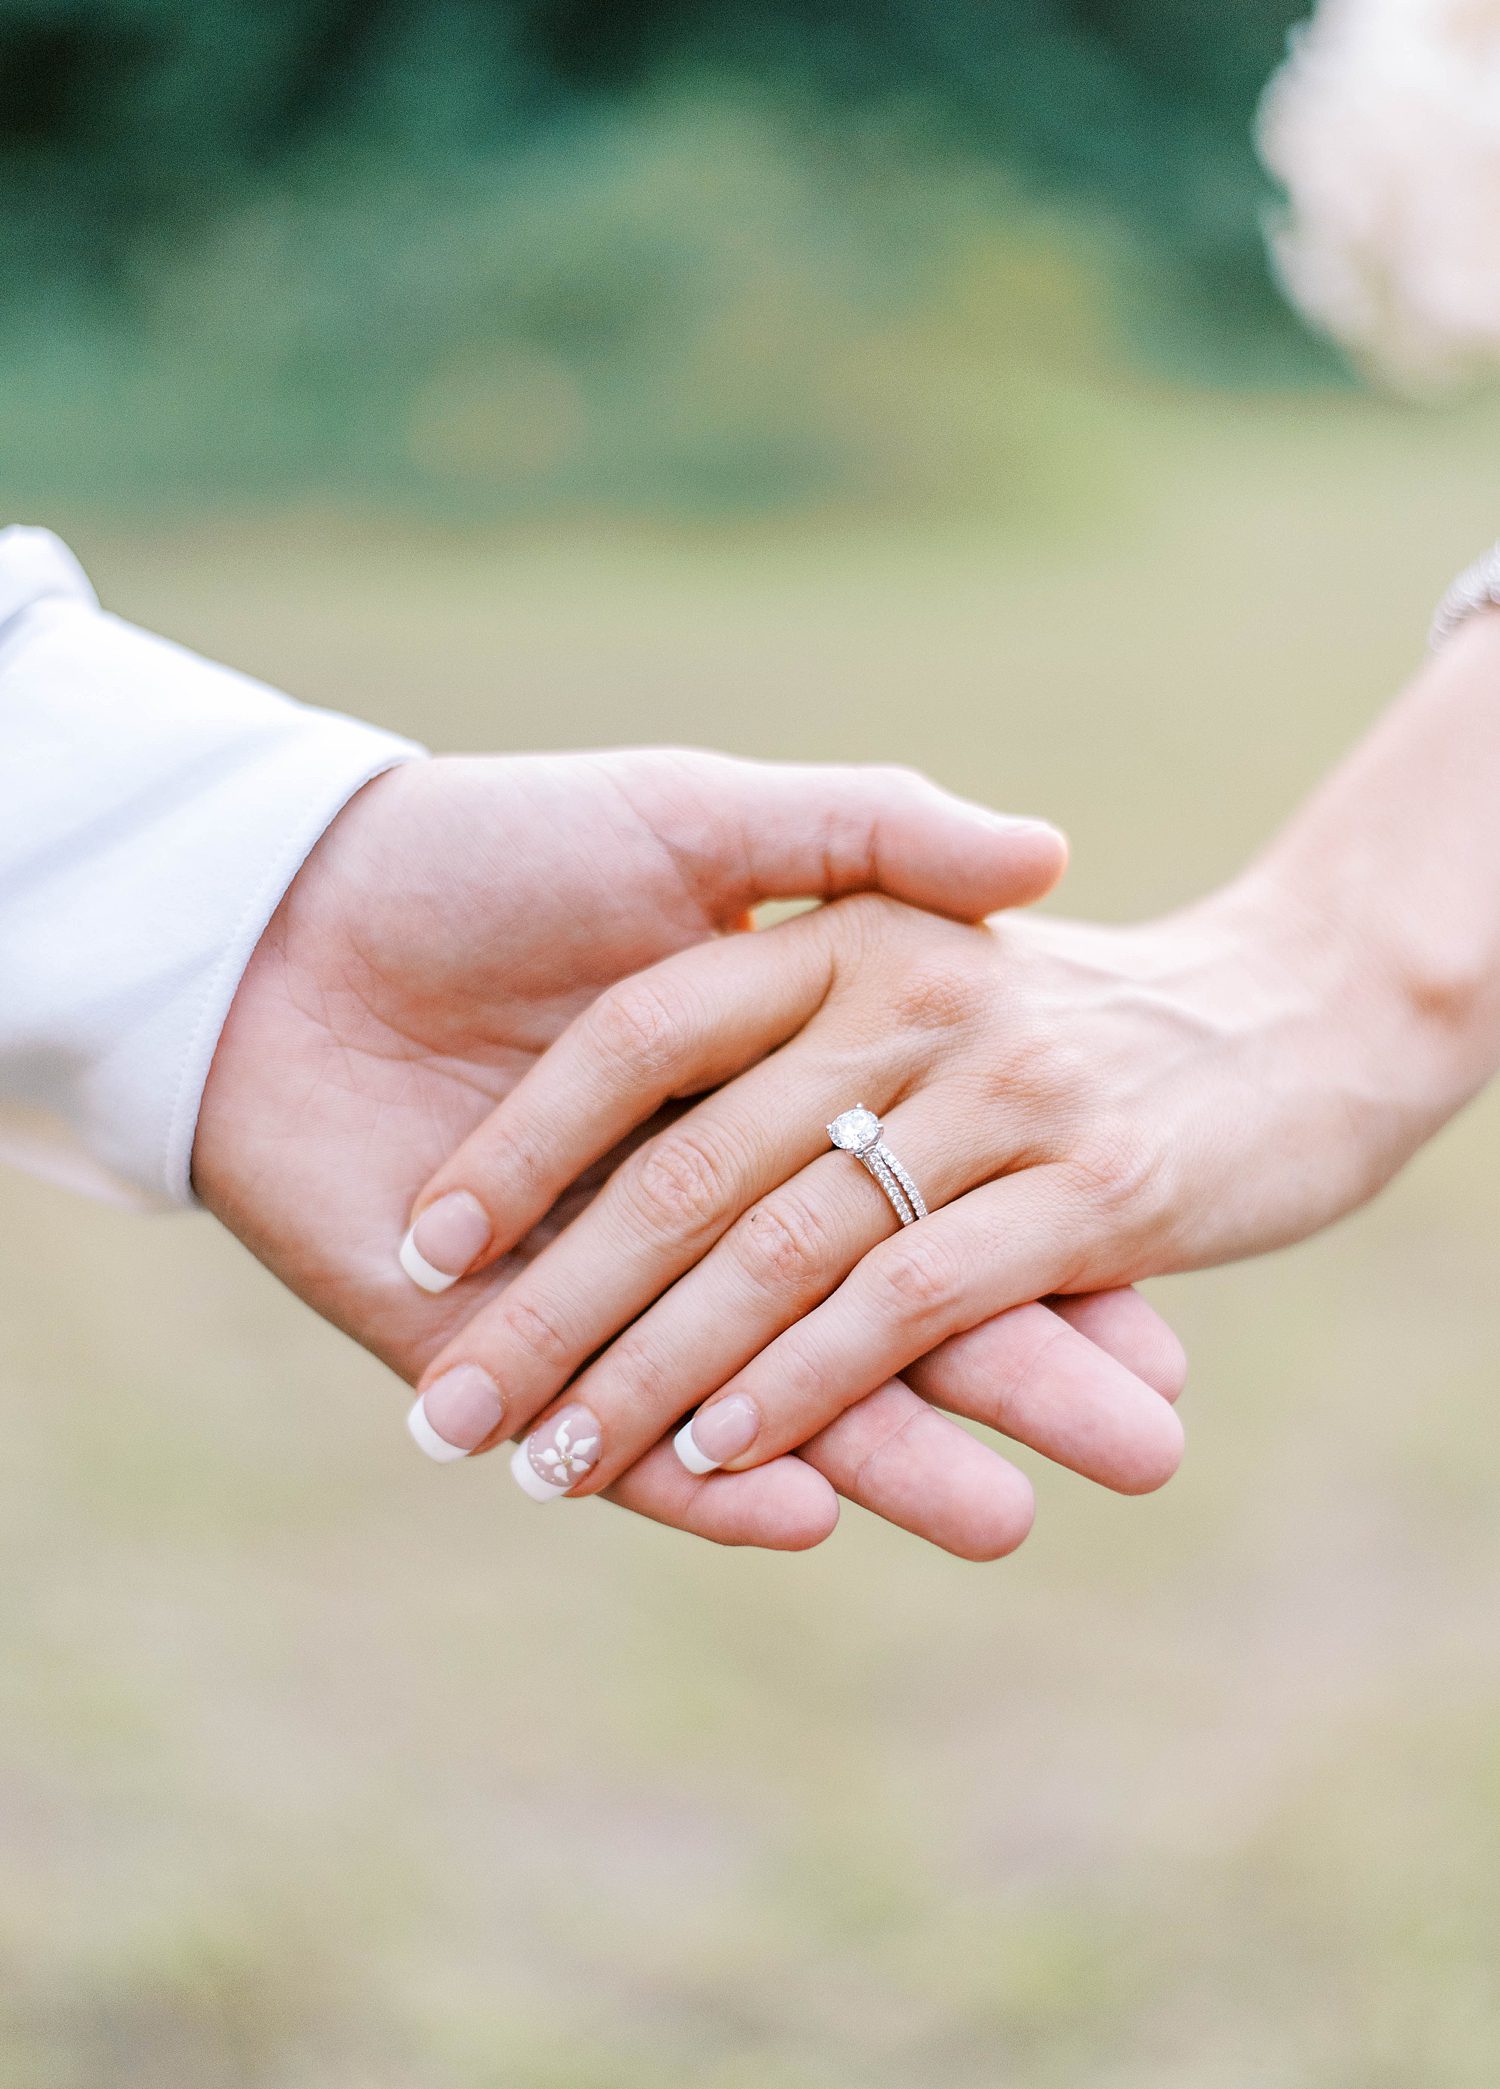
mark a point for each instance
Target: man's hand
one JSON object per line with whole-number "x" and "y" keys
{"x": 448, "y": 926}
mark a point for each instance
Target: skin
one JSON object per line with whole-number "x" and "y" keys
{"x": 1082, "y": 1107}
{"x": 453, "y": 921}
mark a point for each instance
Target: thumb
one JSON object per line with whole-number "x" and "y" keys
{"x": 750, "y": 831}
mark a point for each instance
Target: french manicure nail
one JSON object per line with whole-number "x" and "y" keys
{"x": 443, "y": 1242}
{"x": 558, "y": 1455}
{"x": 456, "y": 1413}
{"x": 717, "y": 1433}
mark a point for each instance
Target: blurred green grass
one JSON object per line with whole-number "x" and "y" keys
{"x": 320, "y": 1769}
{"x": 492, "y": 259}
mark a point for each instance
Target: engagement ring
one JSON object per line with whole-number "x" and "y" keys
{"x": 858, "y": 1131}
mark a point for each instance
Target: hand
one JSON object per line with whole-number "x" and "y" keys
{"x": 450, "y": 924}
{"x": 1080, "y": 1106}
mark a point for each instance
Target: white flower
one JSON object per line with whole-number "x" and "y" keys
{"x": 565, "y": 1461}
{"x": 1384, "y": 126}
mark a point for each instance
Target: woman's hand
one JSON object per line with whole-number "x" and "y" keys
{"x": 453, "y": 920}
{"x": 1080, "y": 1106}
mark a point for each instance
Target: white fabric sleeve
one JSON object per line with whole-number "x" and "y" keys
{"x": 153, "y": 810}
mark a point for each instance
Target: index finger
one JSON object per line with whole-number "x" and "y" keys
{"x": 689, "y": 1023}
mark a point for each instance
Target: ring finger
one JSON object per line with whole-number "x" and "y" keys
{"x": 777, "y": 1263}
{"x": 664, "y": 1209}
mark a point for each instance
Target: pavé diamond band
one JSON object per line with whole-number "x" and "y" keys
{"x": 858, "y": 1132}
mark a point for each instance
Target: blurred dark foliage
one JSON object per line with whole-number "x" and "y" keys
{"x": 391, "y": 181}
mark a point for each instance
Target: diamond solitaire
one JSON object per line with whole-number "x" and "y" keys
{"x": 857, "y": 1131}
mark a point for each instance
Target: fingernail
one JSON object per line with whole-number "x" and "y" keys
{"x": 441, "y": 1244}
{"x": 558, "y": 1455}
{"x": 456, "y": 1413}
{"x": 1016, "y": 826}
{"x": 717, "y": 1433}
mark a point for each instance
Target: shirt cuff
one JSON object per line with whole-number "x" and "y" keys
{"x": 154, "y": 808}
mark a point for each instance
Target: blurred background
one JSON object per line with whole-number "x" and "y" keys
{"x": 816, "y": 381}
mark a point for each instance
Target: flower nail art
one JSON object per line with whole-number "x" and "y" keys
{"x": 558, "y": 1455}
{"x": 564, "y": 1460}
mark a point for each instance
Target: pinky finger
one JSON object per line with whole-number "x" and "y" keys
{"x": 782, "y": 1507}
{"x": 1036, "y": 1378}
{"x": 1125, "y": 1327}
{"x": 898, "y": 1457}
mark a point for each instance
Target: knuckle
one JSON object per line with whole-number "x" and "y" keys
{"x": 802, "y": 1380}
{"x": 916, "y": 1278}
{"x": 1116, "y": 1206}
{"x": 901, "y": 780}
{"x": 519, "y": 1159}
{"x": 1043, "y": 1074}
{"x": 1115, "y": 1172}
{"x": 642, "y": 1390}
{"x": 781, "y": 1244}
{"x": 676, "y": 1185}
{"x": 537, "y": 1333}
{"x": 639, "y": 1023}
{"x": 938, "y": 994}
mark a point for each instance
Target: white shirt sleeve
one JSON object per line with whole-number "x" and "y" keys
{"x": 153, "y": 810}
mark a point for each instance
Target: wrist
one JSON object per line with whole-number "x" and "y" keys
{"x": 1395, "y": 1021}
{"x": 1312, "y": 1085}
{"x": 1387, "y": 884}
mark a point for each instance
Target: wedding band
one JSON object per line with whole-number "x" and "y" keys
{"x": 858, "y": 1131}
